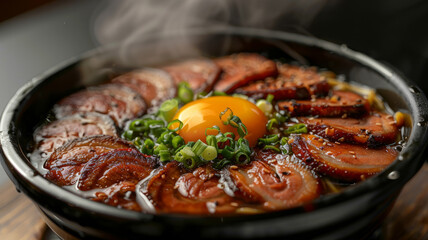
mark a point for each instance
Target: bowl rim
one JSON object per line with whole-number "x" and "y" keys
{"x": 15, "y": 159}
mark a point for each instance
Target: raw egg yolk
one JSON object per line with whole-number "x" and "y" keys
{"x": 201, "y": 114}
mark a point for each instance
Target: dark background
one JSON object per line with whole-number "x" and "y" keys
{"x": 10, "y": 9}
{"x": 392, "y": 31}
{"x": 36, "y": 35}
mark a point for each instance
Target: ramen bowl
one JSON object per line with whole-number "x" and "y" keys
{"x": 351, "y": 214}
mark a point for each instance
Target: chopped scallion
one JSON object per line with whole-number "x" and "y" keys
{"x": 199, "y": 147}
{"x": 159, "y": 148}
{"x": 272, "y": 148}
{"x": 270, "y": 123}
{"x": 184, "y": 92}
{"x": 296, "y": 128}
{"x": 177, "y": 142}
{"x": 270, "y": 98}
{"x": 271, "y": 139}
{"x": 174, "y": 123}
{"x": 168, "y": 109}
{"x": 219, "y": 93}
{"x": 164, "y": 155}
{"x": 265, "y": 106}
{"x": 210, "y": 153}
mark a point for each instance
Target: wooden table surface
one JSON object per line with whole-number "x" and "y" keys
{"x": 19, "y": 218}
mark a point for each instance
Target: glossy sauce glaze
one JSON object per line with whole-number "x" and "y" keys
{"x": 346, "y": 140}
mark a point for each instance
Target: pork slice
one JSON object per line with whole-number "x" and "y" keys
{"x": 115, "y": 166}
{"x": 293, "y": 82}
{"x": 176, "y": 190}
{"x": 342, "y": 161}
{"x": 201, "y": 73}
{"x": 55, "y": 134}
{"x": 66, "y": 162}
{"x": 339, "y": 104}
{"x": 372, "y": 130}
{"x": 275, "y": 181}
{"x": 117, "y": 101}
{"x": 121, "y": 195}
{"x": 153, "y": 85}
{"x": 241, "y": 69}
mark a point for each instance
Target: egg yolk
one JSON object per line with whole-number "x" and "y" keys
{"x": 201, "y": 114}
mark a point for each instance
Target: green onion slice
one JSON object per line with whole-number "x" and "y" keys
{"x": 219, "y": 93}
{"x": 128, "y": 135}
{"x": 242, "y": 158}
{"x": 137, "y": 125}
{"x": 175, "y": 121}
{"x": 284, "y": 140}
{"x": 199, "y": 147}
{"x": 177, "y": 141}
{"x": 168, "y": 109}
{"x": 209, "y": 154}
{"x": 164, "y": 155}
{"x": 296, "y": 129}
{"x": 270, "y": 139}
{"x": 233, "y": 121}
{"x": 272, "y": 148}
{"x": 148, "y": 143}
{"x": 228, "y": 117}
{"x": 270, "y": 98}
{"x": 159, "y": 148}
{"x": 270, "y": 123}
{"x": 211, "y": 140}
{"x": 214, "y": 128}
{"x": 184, "y": 92}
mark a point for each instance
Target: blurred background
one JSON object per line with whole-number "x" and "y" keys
{"x": 36, "y": 35}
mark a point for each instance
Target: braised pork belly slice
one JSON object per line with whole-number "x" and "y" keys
{"x": 293, "y": 82}
{"x": 117, "y": 101}
{"x": 241, "y": 69}
{"x": 66, "y": 162}
{"x": 114, "y": 176}
{"x": 339, "y": 104}
{"x": 201, "y": 74}
{"x": 115, "y": 166}
{"x": 175, "y": 190}
{"x": 55, "y": 134}
{"x": 372, "y": 130}
{"x": 275, "y": 182}
{"x": 153, "y": 85}
{"x": 121, "y": 195}
{"x": 342, "y": 161}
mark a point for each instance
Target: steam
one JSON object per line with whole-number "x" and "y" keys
{"x": 129, "y": 21}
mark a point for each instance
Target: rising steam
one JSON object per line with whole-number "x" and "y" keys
{"x": 129, "y": 21}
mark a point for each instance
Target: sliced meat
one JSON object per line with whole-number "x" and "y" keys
{"x": 154, "y": 85}
{"x": 373, "y": 130}
{"x": 201, "y": 74}
{"x": 342, "y": 161}
{"x": 241, "y": 69}
{"x": 174, "y": 190}
{"x": 65, "y": 163}
{"x": 55, "y": 134}
{"x": 120, "y": 195}
{"x": 114, "y": 167}
{"x": 275, "y": 182}
{"x": 293, "y": 82}
{"x": 339, "y": 104}
{"x": 119, "y": 102}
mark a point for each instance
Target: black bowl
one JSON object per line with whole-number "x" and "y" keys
{"x": 353, "y": 213}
